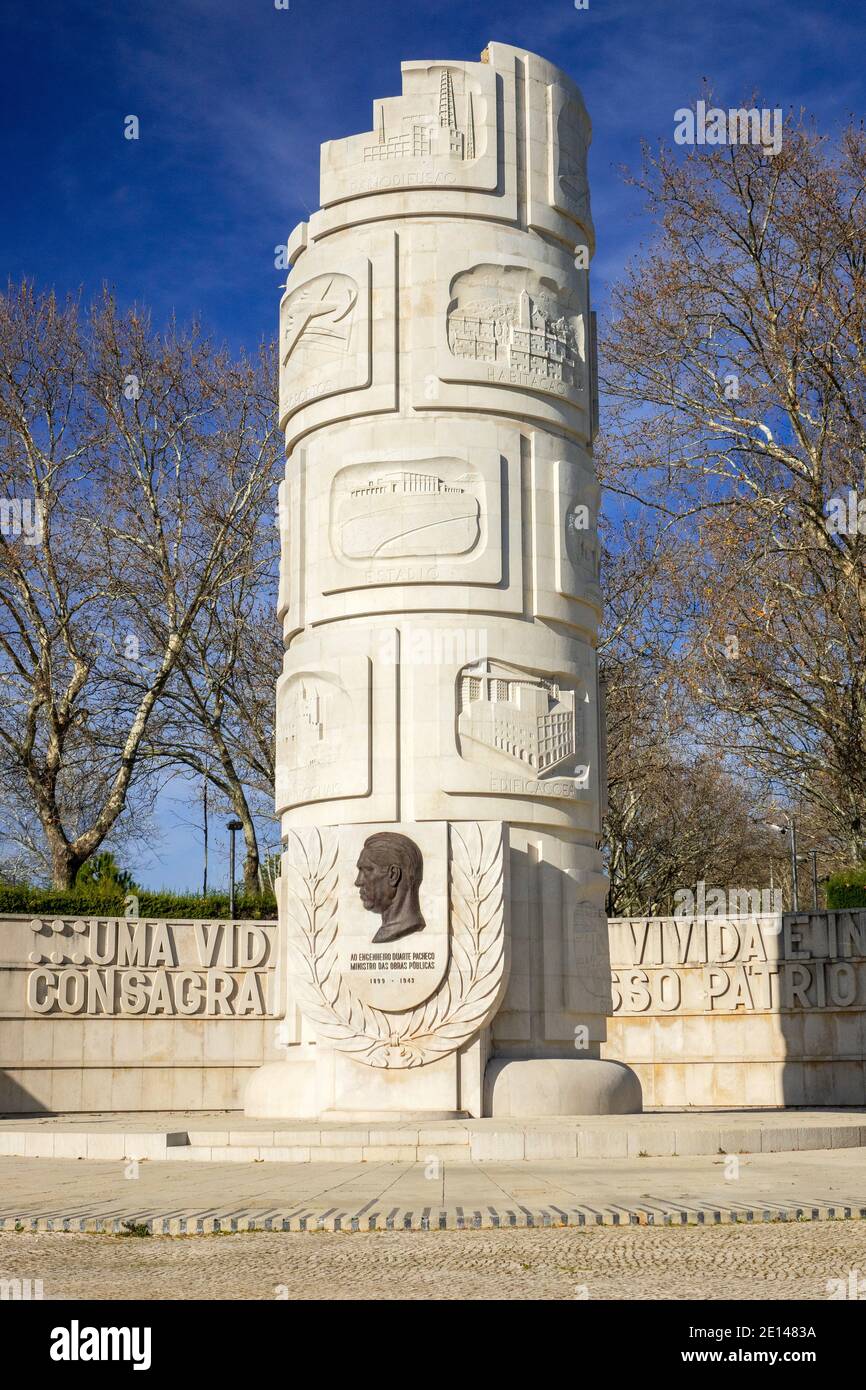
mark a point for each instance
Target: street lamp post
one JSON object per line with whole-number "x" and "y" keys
{"x": 829, "y": 851}
{"x": 234, "y": 826}
{"x": 790, "y": 828}
{"x": 813, "y": 855}
{"x": 204, "y": 808}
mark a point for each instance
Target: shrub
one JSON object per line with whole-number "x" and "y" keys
{"x": 847, "y": 888}
{"x": 74, "y": 902}
{"x": 178, "y": 906}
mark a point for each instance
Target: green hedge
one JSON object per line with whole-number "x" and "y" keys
{"x": 44, "y": 902}
{"x": 847, "y": 888}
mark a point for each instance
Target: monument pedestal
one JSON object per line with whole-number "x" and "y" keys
{"x": 317, "y": 1081}
{"x": 528, "y": 1088}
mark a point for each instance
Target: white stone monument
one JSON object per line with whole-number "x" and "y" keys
{"x": 440, "y": 762}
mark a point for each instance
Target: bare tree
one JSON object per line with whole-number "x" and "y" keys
{"x": 676, "y": 825}
{"x": 736, "y": 386}
{"x": 220, "y": 703}
{"x": 136, "y": 831}
{"x": 673, "y": 816}
{"x": 142, "y": 461}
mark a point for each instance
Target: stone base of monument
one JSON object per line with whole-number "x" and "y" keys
{"x": 290, "y": 1091}
{"x": 282, "y": 1089}
{"x": 308, "y": 1089}
{"x": 535, "y": 1087}
{"x": 403, "y": 1117}
{"x": 522, "y": 1088}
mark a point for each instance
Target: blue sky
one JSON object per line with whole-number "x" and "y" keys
{"x": 234, "y": 98}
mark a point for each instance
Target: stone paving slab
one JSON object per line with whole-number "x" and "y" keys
{"x": 57, "y": 1194}
{"x": 227, "y": 1137}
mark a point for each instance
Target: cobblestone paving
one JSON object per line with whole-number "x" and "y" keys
{"x": 717, "y": 1263}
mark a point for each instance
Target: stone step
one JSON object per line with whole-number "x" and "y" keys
{"x": 99, "y": 1143}
{"x": 486, "y": 1141}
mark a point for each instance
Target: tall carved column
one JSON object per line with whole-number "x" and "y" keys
{"x": 440, "y": 773}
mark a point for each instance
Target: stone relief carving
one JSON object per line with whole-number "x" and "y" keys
{"x": 323, "y": 721}
{"x": 440, "y": 133}
{"x": 518, "y": 320}
{"x": 587, "y": 981}
{"x": 581, "y": 542}
{"x": 428, "y": 507}
{"x": 317, "y": 709}
{"x": 466, "y": 998}
{"x": 317, "y": 320}
{"x": 428, "y": 134}
{"x": 326, "y": 331}
{"x": 571, "y": 148}
{"x": 390, "y": 870}
{"x": 572, "y": 521}
{"x": 527, "y": 717}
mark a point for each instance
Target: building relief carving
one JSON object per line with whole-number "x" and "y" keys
{"x": 527, "y": 717}
{"x": 518, "y": 320}
{"x": 317, "y": 709}
{"x": 427, "y": 134}
{"x": 323, "y": 734}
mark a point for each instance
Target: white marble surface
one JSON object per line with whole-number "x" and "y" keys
{"x": 440, "y": 589}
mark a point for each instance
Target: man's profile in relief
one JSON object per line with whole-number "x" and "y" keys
{"x": 390, "y": 869}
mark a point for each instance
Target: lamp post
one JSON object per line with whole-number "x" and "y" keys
{"x": 234, "y": 826}
{"x": 827, "y": 850}
{"x": 204, "y": 809}
{"x": 784, "y": 830}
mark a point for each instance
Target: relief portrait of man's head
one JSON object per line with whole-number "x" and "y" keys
{"x": 390, "y": 870}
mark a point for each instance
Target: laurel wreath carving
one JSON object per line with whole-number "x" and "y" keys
{"x": 476, "y": 971}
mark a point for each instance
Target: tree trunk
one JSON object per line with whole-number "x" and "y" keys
{"x": 252, "y": 871}
{"x": 252, "y": 866}
{"x": 64, "y": 865}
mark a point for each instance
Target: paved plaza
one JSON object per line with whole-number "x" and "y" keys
{"x": 756, "y": 1226}
{"x": 767, "y": 1262}
{"x": 190, "y": 1198}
